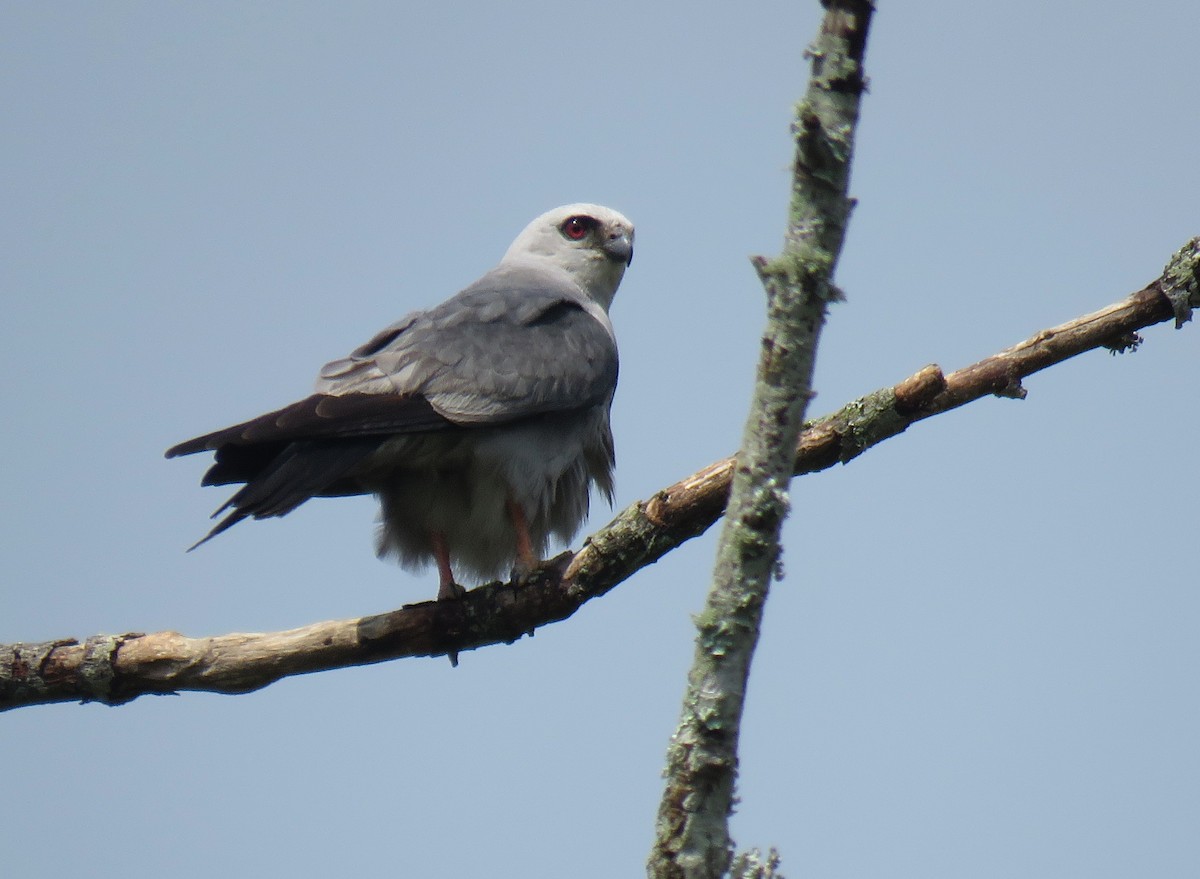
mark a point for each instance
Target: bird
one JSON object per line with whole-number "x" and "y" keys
{"x": 481, "y": 424}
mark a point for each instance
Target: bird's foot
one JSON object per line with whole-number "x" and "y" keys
{"x": 523, "y": 572}
{"x": 448, "y": 590}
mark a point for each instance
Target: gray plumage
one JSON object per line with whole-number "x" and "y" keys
{"x": 480, "y": 423}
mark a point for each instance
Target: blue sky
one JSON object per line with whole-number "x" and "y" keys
{"x": 982, "y": 659}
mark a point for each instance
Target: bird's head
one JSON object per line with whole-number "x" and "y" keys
{"x": 594, "y": 244}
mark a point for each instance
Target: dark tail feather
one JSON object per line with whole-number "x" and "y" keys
{"x": 302, "y": 470}
{"x": 224, "y": 525}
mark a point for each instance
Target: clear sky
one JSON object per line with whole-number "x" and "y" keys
{"x": 982, "y": 660}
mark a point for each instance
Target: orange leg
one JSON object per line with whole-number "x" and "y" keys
{"x": 447, "y": 588}
{"x": 526, "y": 560}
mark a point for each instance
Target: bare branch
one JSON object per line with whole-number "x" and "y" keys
{"x": 114, "y": 669}
{"x": 692, "y": 833}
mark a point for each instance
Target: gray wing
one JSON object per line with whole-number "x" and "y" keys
{"x": 518, "y": 342}
{"x": 513, "y": 345}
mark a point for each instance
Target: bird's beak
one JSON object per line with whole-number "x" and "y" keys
{"x": 619, "y": 247}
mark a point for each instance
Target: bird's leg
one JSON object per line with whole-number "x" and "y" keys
{"x": 527, "y": 562}
{"x": 447, "y": 588}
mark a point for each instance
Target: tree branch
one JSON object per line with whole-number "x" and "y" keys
{"x": 114, "y": 669}
{"x": 692, "y": 834}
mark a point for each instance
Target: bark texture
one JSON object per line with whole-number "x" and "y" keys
{"x": 692, "y": 833}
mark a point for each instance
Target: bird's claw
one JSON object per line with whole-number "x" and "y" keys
{"x": 555, "y": 567}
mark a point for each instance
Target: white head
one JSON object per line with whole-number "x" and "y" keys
{"x": 593, "y": 244}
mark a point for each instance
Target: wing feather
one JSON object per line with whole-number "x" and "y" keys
{"x": 324, "y": 416}
{"x": 519, "y": 342}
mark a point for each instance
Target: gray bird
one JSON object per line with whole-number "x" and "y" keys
{"x": 481, "y": 424}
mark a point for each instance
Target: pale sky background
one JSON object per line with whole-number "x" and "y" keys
{"x": 983, "y": 659}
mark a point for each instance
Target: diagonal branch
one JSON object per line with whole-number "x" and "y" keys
{"x": 114, "y": 669}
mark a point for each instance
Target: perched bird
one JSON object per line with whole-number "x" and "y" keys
{"x": 481, "y": 424}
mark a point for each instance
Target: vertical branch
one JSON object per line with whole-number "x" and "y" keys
{"x": 692, "y": 833}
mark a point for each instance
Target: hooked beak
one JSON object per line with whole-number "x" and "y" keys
{"x": 619, "y": 247}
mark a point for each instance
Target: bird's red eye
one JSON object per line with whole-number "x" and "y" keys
{"x": 576, "y": 228}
